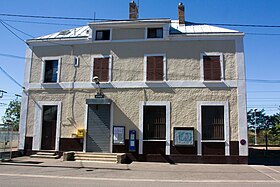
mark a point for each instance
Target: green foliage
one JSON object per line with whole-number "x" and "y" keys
{"x": 257, "y": 118}
{"x": 12, "y": 114}
{"x": 266, "y": 125}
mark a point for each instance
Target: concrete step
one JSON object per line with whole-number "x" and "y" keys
{"x": 99, "y": 157}
{"x": 45, "y": 156}
{"x": 111, "y": 160}
{"x": 95, "y": 155}
{"x": 46, "y": 153}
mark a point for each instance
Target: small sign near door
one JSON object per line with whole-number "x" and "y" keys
{"x": 119, "y": 135}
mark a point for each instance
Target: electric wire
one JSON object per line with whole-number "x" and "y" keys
{"x": 11, "y": 78}
{"x": 94, "y": 19}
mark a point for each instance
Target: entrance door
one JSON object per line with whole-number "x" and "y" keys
{"x": 49, "y": 127}
{"x": 98, "y": 128}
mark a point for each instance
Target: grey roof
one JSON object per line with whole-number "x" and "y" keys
{"x": 79, "y": 32}
{"x": 193, "y": 28}
{"x": 176, "y": 28}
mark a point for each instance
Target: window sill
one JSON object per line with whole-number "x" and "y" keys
{"x": 155, "y": 82}
{"x": 213, "y": 81}
{"x": 154, "y": 140}
{"x": 49, "y": 83}
{"x": 213, "y": 141}
{"x": 155, "y": 39}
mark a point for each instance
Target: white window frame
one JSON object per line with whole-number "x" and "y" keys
{"x": 110, "y": 67}
{"x": 141, "y": 121}
{"x": 164, "y": 67}
{"x": 102, "y": 29}
{"x": 202, "y": 66}
{"x": 43, "y": 68}
{"x": 165, "y": 32}
{"x": 226, "y": 125}
{"x": 38, "y": 122}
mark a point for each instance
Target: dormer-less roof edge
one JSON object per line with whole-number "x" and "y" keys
{"x": 130, "y": 22}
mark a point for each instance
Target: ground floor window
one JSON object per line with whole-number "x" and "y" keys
{"x": 213, "y": 123}
{"x": 154, "y": 126}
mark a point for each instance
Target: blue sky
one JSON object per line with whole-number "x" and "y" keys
{"x": 261, "y": 51}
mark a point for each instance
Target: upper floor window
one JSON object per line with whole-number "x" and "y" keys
{"x": 212, "y": 67}
{"x": 51, "y": 71}
{"x": 155, "y": 33}
{"x": 102, "y": 35}
{"x": 155, "y": 68}
{"x": 101, "y": 68}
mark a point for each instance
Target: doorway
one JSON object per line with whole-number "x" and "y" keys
{"x": 98, "y": 135}
{"x": 49, "y": 127}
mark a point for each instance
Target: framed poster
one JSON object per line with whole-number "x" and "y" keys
{"x": 119, "y": 135}
{"x": 183, "y": 136}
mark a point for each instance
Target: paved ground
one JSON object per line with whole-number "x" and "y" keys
{"x": 24, "y": 171}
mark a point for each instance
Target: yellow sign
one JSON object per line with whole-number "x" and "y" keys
{"x": 80, "y": 133}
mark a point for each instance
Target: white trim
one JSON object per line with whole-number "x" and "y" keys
{"x": 38, "y": 117}
{"x": 137, "y": 84}
{"x": 226, "y": 127}
{"x": 24, "y": 99}
{"x": 59, "y": 59}
{"x": 241, "y": 97}
{"x": 164, "y": 66}
{"x": 221, "y": 64}
{"x": 111, "y": 126}
{"x": 183, "y": 37}
{"x": 110, "y": 66}
{"x": 168, "y": 125}
{"x": 85, "y": 127}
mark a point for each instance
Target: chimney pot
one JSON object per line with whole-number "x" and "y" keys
{"x": 181, "y": 13}
{"x": 133, "y": 10}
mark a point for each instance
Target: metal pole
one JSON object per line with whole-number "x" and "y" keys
{"x": 256, "y": 127}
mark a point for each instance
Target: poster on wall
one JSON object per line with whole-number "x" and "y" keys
{"x": 119, "y": 133}
{"x": 183, "y": 136}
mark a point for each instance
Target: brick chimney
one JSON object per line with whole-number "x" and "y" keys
{"x": 181, "y": 13}
{"x": 133, "y": 10}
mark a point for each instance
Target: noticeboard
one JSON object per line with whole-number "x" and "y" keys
{"x": 183, "y": 136}
{"x": 119, "y": 135}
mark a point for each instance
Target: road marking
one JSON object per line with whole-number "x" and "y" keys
{"x": 138, "y": 180}
{"x": 265, "y": 173}
{"x": 273, "y": 169}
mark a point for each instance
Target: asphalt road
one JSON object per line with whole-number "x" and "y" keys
{"x": 138, "y": 174}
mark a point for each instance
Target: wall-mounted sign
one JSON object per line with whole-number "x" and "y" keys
{"x": 119, "y": 135}
{"x": 183, "y": 136}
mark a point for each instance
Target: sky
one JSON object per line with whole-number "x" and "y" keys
{"x": 261, "y": 45}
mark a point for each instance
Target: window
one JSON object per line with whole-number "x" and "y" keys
{"x": 155, "y": 33}
{"x": 155, "y": 68}
{"x": 102, "y": 35}
{"x": 212, "y": 69}
{"x": 51, "y": 71}
{"x": 101, "y": 68}
{"x": 213, "y": 123}
{"x": 154, "y": 126}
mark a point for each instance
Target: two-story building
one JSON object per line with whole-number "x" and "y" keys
{"x": 157, "y": 89}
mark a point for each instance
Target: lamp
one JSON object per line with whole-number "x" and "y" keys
{"x": 97, "y": 82}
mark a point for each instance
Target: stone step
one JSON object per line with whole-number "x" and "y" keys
{"x": 96, "y": 155}
{"x": 45, "y": 153}
{"x": 93, "y": 156}
{"x": 45, "y": 156}
{"x": 96, "y": 159}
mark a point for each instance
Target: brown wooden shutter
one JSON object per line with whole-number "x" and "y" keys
{"x": 212, "y": 68}
{"x": 101, "y": 69}
{"x": 154, "y": 68}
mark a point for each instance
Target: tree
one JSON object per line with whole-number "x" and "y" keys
{"x": 260, "y": 119}
{"x": 12, "y": 114}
